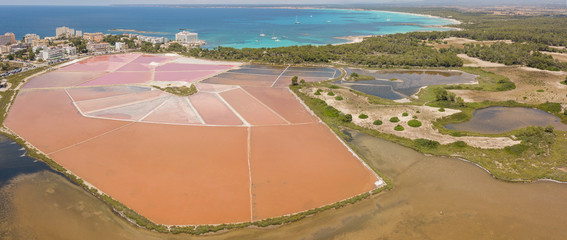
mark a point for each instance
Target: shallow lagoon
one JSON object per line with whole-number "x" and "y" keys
{"x": 494, "y": 120}
{"x": 395, "y": 85}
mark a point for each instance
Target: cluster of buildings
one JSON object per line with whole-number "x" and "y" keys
{"x": 58, "y": 47}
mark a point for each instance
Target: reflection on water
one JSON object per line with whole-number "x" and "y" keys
{"x": 504, "y": 119}
{"x": 433, "y": 198}
{"x": 395, "y": 85}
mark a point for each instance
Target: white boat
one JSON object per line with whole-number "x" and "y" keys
{"x": 387, "y": 20}
{"x": 277, "y": 40}
{"x": 262, "y": 35}
{"x": 296, "y": 22}
{"x": 274, "y": 37}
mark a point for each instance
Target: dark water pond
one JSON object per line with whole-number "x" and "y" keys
{"x": 395, "y": 85}
{"x": 13, "y": 161}
{"x": 504, "y": 119}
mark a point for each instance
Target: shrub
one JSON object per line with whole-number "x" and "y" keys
{"x": 426, "y": 143}
{"x": 338, "y": 98}
{"x": 414, "y": 123}
{"x": 517, "y": 149}
{"x": 441, "y": 109}
{"x": 331, "y": 93}
{"x": 540, "y": 90}
{"x": 399, "y": 128}
{"x": 302, "y": 81}
{"x": 377, "y": 122}
{"x": 294, "y": 80}
{"x": 460, "y": 144}
{"x": 363, "y": 116}
{"x": 394, "y": 119}
{"x": 550, "y": 107}
{"x": 405, "y": 114}
{"x": 331, "y": 111}
{"x": 565, "y": 112}
{"x": 346, "y": 118}
{"x": 317, "y": 93}
{"x": 417, "y": 112}
{"x": 414, "y": 117}
{"x": 334, "y": 87}
{"x": 548, "y": 129}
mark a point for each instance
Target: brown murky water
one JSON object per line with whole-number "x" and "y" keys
{"x": 433, "y": 198}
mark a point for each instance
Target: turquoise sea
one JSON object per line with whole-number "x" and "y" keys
{"x": 230, "y": 27}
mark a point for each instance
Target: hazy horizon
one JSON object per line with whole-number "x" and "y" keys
{"x": 282, "y": 2}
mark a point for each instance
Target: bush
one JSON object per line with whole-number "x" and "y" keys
{"x": 517, "y": 149}
{"x": 550, "y": 107}
{"x": 459, "y": 144}
{"x": 394, "y": 119}
{"x": 294, "y": 80}
{"x": 540, "y": 90}
{"x": 346, "y": 118}
{"x": 414, "y": 123}
{"x": 441, "y": 109}
{"x": 302, "y": 81}
{"x": 331, "y": 111}
{"x": 399, "y": 128}
{"x": 565, "y": 112}
{"x": 426, "y": 143}
{"x": 414, "y": 117}
{"x": 405, "y": 114}
{"x": 334, "y": 87}
{"x": 331, "y": 93}
{"x": 363, "y": 116}
{"x": 317, "y": 92}
{"x": 377, "y": 122}
{"x": 338, "y": 98}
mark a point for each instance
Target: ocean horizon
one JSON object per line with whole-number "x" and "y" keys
{"x": 239, "y": 27}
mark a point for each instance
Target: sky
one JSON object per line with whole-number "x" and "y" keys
{"x": 111, "y": 2}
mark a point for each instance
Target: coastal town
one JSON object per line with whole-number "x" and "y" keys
{"x": 32, "y": 51}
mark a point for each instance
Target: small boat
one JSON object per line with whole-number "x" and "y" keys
{"x": 296, "y": 22}
{"x": 310, "y": 16}
{"x": 387, "y": 20}
{"x": 277, "y": 40}
{"x": 262, "y": 35}
{"x": 329, "y": 21}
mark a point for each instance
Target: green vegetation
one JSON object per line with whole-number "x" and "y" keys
{"x": 358, "y": 77}
{"x": 399, "y": 127}
{"x": 338, "y": 98}
{"x": 441, "y": 109}
{"x": 394, "y": 119}
{"x": 414, "y": 123}
{"x": 294, "y": 81}
{"x": 405, "y": 114}
{"x": 426, "y": 143}
{"x": 487, "y": 81}
{"x": 377, "y": 122}
{"x": 383, "y": 51}
{"x": 331, "y": 93}
{"x": 363, "y": 116}
{"x": 318, "y": 92}
{"x": 176, "y": 47}
{"x": 516, "y": 54}
{"x": 346, "y": 118}
{"x": 148, "y": 47}
{"x": 540, "y": 90}
{"x": 181, "y": 91}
